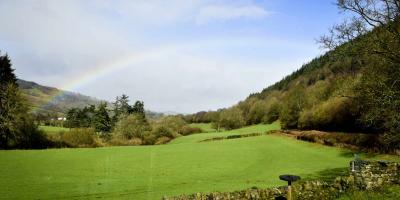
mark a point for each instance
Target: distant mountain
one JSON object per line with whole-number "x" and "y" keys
{"x": 53, "y": 100}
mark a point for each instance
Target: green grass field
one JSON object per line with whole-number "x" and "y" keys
{"x": 52, "y": 129}
{"x": 149, "y": 172}
{"x": 260, "y": 128}
{"x": 387, "y": 193}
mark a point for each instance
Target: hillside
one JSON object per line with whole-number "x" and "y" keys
{"x": 50, "y": 99}
{"x": 347, "y": 89}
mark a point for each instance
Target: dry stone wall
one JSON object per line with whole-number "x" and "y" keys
{"x": 364, "y": 175}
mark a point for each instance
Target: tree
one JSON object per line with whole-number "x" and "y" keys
{"x": 17, "y": 128}
{"x": 73, "y": 118}
{"x": 116, "y": 111}
{"x": 124, "y": 106}
{"x": 10, "y": 101}
{"x": 231, "y": 118}
{"x": 121, "y": 107}
{"x": 138, "y": 108}
{"x": 372, "y": 36}
{"x": 378, "y": 96}
{"x": 380, "y": 16}
{"x": 101, "y": 120}
{"x": 294, "y": 103}
{"x": 132, "y": 126}
{"x": 7, "y": 75}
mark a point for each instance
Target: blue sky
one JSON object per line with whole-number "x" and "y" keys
{"x": 191, "y": 55}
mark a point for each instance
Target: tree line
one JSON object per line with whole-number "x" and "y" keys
{"x": 90, "y": 126}
{"x": 119, "y": 124}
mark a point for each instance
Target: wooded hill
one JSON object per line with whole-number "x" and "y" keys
{"x": 52, "y": 100}
{"x": 56, "y": 103}
{"x": 346, "y": 89}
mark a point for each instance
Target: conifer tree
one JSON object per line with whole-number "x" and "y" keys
{"x": 102, "y": 121}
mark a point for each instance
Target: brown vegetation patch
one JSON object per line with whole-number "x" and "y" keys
{"x": 354, "y": 141}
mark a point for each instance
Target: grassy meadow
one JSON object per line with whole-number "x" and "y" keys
{"x": 52, "y": 129}
{"x": 182, "y": 166}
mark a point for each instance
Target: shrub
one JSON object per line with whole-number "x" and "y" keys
{"x": 160, "y": 134}
{"x": 174, "y": 123}
{"x": 163, "y": 131}
{"x": 131, "y": 126}
{"x": 28, "y": 136}
{"x": 231, "y": 118}
{"x": 188, "y": 130}
{"x": 334, "y": 114}
{"x": 80, "y": 137}
{"x": 122, "y": 141}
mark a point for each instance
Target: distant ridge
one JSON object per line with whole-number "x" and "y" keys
{"x": 49, "y": 99}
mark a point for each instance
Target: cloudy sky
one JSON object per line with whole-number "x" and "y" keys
{"x": 175, "y": 55}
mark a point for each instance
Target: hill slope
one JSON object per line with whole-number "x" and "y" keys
{"x": 346, "y": 89}
{"x": 50, "y": 99}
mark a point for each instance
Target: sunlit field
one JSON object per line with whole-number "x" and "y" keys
{"x": 150, "y": 172}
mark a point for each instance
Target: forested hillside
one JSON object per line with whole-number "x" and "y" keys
{"x": 354, "y": 87}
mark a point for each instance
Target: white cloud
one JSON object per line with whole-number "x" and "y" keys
{"x": 229, "y": 12}
{"x": 180, "y": 66}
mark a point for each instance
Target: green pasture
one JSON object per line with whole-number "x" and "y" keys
{"x": 387, "y": 193}
{"x": 52, "y": 129}
{"x": 149, "y": 172}
{"x": 260, "y": 128}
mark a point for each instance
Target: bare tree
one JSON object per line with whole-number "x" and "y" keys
{"x": 381, "y": 16}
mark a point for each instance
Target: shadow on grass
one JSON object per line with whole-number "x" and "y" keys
{"x": 348, "y": 154}
{"x": 328, "y": 175}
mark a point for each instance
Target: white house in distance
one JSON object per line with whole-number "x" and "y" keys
{"x": 59, "y": 119}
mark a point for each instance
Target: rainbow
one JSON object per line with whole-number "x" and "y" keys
{"x": 100, "y": 70}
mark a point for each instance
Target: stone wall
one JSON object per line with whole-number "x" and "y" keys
{"x": 363, "y": 175}
{"x": 370, "y": 175}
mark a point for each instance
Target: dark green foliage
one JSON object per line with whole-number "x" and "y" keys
{"x": 28, "y": 136}
{"x": 7, "y": 75}
{"x": 17, "y": 128}
{"x": 79, "y": 118}
{"x": 101, "y": 119}
{"x": 138, "y": 108}
{"x": 122, "y": 108}
{"x": 378, "y": 95}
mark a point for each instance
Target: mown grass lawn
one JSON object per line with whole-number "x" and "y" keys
{"x": 149, "y": 172}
